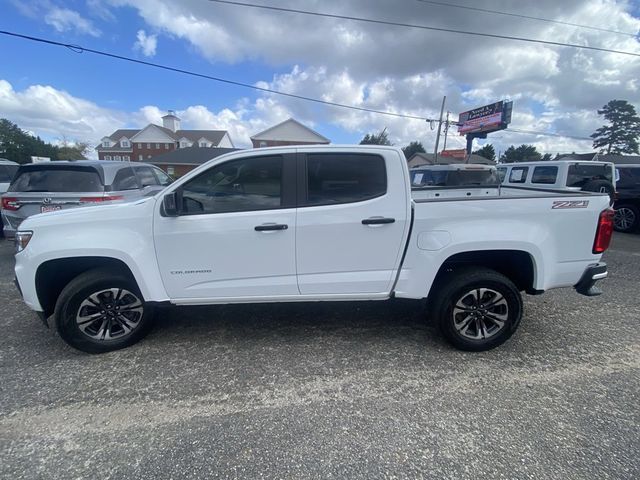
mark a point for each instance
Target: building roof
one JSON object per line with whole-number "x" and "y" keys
{"x": 189, "y": 156}
{"x": 429, "y": 159}
{"x": 291, "y": 130}
{"x": 214, "y": 136}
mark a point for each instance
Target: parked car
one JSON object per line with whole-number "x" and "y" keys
{"x": 560, "y": 174}
{"x": 627, "y": 205}
{"x": 46, "y": 187}
{"x": 312, "y": 223}
{"x": 453, "y": 175}
{"x": 7, "y": 171}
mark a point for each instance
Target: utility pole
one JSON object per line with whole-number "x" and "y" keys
{"x": 446, "y": 131}
{"x": 435, "y": 151}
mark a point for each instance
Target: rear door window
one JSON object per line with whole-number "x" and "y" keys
{"x": 580, "y": 174}
{"x": 545, "y": 175}
{"x": 518, "y": 174}
{"x": 628, "y": 177}
{"x": 146, "y": 177}
{"x": 163, "y": 178}
{"x": 125, "y": 179}
{"x": 57, "y": 179}
{"x": 334, "y": 178}
{"x": 502, "y": 172}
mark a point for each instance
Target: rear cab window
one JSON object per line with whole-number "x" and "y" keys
{"x": 45, "y": 178}
{"x": 146, "y": 177}
{"x": 334, "y": 178}
{"x": 125, "y": 179}
{"x": 579, "y": 174}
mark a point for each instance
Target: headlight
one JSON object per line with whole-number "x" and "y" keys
{"x": 22, "y": 240}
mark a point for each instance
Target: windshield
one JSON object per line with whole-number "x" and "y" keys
{"x": 43, "y": 179}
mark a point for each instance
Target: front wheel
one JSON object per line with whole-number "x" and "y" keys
{"x": 100, "y": 311}
{"x": 477, "y": 309}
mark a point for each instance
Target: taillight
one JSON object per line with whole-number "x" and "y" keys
{"x": 10, "y": 203}
{"x": 604, "y": 231}
{"x": 105, "y": 198}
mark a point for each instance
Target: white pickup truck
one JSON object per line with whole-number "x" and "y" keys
{"x": 304, "y": 224}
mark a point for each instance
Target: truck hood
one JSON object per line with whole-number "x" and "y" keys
{"x": 86, "y": 215}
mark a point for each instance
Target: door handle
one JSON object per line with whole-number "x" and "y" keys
{"x": 265, "y": 227}
{"x": 378, "y": 220}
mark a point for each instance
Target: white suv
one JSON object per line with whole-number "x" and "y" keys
{"x": 560, "y": 175}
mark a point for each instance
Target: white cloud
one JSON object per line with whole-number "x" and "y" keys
{"x": 65, "y": 20}
{"x": 147, "y": 44}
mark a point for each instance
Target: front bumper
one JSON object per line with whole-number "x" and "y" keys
{"x": 592, "y": 274}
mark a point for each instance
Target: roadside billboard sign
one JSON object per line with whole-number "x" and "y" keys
{"x": 487, "y": 118}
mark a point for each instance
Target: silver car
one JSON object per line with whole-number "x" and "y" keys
{"x": 46, "y": 187}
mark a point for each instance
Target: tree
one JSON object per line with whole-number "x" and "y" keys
{"x": 621, "y": 135}
{"x": 73, "y": 150}
{"x": 487, "y": 151}
{"x": 523, "y": 153}
{"x": 413, "y": 148}
{"x": 381, "y": 138}
{"x": 547, "y": 157}
{"x": 19, "y": 146}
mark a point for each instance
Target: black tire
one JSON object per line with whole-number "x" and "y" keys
{"x": 602, "y": 186}
{"x": 627, "y": 218}
{"x": 123, "y": 310}
{"x": 461, "y": 286}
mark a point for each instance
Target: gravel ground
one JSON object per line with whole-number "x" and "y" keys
{"x": 333, "y": 390}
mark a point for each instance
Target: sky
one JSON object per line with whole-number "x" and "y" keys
{"x": 62, "y": 95}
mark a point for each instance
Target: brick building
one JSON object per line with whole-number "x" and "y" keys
{"x": 289, "y": 132}
{"x": 178, "y": 162}
{"x": 153, "y": 140}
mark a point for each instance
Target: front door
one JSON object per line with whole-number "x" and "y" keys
{"x": 235, "y": 235}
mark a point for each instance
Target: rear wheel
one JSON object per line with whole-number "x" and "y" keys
{"x": 627, "y": 218}
{"x": 477, "y": 309}
{"x": 100, "y": 311}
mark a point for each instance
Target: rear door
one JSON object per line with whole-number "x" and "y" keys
{"x": 352, "y": 219}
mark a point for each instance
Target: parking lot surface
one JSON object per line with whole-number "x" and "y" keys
{"x": 338, "y": 390}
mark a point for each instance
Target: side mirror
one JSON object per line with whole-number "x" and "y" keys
{"x": 170, "y": 204}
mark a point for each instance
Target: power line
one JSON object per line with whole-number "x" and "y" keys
{"x": 424, "y": 27}
{"x": 528, "y": 17}
{"x": 80, "y": 49}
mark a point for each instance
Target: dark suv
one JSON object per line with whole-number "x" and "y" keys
{"x": 627, "y": 205}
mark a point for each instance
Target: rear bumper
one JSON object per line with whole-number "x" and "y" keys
{"x": 592, "y": 274}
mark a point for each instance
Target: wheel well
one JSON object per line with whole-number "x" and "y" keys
{"x": 516, "y": 265}
{"x": 53, "y": 275}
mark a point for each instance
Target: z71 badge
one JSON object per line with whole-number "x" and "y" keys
{"x": 571, "y": 204}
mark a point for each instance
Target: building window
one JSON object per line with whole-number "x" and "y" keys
{"x": 125, "y": 143}
{"x": 157, "y": 146}
{"x": 139, "y": 145}
{"x": 107, "y": 157}
{"x": 171, "y": 170}
{"x": 126, "y": 158}
{"x": 140, "y": 158}
{"x": 166, "y": 146}
{"x": 149, "y": 146}
{"x": 263, "y": 144}
{"x": 148, "y": 156}
{"x": 117, "y": 158}
{"x": 106, "y": 143}
{"x": 203, "y": 144}
{"x": 184, "y": 144}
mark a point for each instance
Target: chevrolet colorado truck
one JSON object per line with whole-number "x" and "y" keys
{"x": 306, "y": 224}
